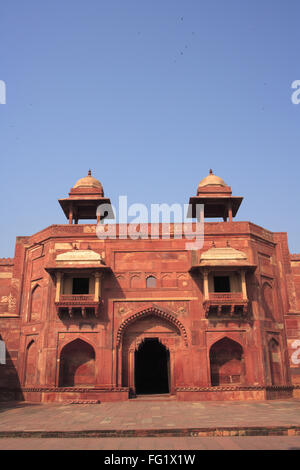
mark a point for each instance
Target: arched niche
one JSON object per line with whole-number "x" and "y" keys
{"x": 151, "y": 282}
{"x": 226, "y": 363}
{"x": 77, "y": 364}
{"x": 31, "y": 357}
{"x": 268, "y": 300}
{"x": 275, "y": 361}
{"x": 35, "y": 303}
{"x": 163, "y": 332}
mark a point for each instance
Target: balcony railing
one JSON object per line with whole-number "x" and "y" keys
{"x": 225, "y": 305}
{"x": 226, "y": 296}
{"x": 78, "y": 305}
{"x": 76, "y": 298}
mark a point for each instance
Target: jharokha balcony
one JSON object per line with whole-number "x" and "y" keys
{"x": 224, "y": 271}
{"x": 77, "y": 277}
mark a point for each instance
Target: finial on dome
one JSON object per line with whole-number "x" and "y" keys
{"x": 90, "y": 172}
{"x": 210, "y": 172}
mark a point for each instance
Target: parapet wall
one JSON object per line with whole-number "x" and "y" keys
{"x": 6, "y": 261}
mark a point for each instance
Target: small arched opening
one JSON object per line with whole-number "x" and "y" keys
{"x": 151, "y": 282}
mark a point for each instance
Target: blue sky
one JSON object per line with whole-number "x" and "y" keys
{"x": 149, "y": 95}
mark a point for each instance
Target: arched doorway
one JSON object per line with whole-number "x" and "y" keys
{"x": 77, "y": 364}
{"x": 152, "y": 368}
{"x": 226, "y": 363}
{"x": 163, "y": 335}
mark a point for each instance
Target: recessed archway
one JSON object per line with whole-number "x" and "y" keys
{"x": 275, "y": 361}
{"x": 152, "y": 368}
{"x": 143, "y": 337}
{"x": 31, "y": 364}
{"x": 226, "y": 363}
{"x": 77, "y": 364}
{"x": 36, "y": 303}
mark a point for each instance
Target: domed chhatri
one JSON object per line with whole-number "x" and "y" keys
{"x": 88, "y": 182}
{"x": 84, "y": 198}
{"x": 216, "y": 196}
{"x": 212, "y": 180}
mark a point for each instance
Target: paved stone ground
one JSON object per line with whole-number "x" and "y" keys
{"x": 154, "y": 444}
{"x": 134, "y": 415}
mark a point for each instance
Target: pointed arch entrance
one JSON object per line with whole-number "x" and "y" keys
{"x": 150, "y": 344}
{"x": 152, "y": 368}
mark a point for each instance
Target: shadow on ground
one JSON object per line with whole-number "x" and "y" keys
{"x": 7, "y": 405}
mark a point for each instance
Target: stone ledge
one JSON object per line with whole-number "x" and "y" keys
{"x": 175, "y": 432}
{"x": 74, "y": 389}
{"x": 234, "y": 388}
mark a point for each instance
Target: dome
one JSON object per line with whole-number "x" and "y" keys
{"x": 88, "y": 182}
{"x": 212, "y": 180}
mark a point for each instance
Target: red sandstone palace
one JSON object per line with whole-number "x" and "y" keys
{"x": 89, "y": 319}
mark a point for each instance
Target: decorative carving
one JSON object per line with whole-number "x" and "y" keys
{"x": 124, "y": 308}
{"x": 154, "y": 310}
{"x": 183, "y": 280}
{"x": 80, "y": 303}
{"x": 11, "y": 301}
{"x": 89, "y": 229}
{"x": 226, "y": 306}
{"x": 176, "y": 307}
{"x": 77, "y": 255}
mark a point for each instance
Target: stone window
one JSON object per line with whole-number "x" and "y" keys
{"x": 80, "y": 285}
{"x": 151, "y": 281}
{"x": 221, "y": 284}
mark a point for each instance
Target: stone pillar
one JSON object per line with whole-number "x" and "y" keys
{"x": 71, "y": 214}
{"x": 205, "y": 285}
{"x": 97, "y": 294}
{"x": 119, "y": 366}
{"x": 131, "y": 383}
{"x": 229, "y": 211}
{"x": 244, "y": 287}
{"x": 172, "y": 383}
{"x": 58, "y": 286}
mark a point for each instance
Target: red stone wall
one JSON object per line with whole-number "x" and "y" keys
{"x": 172, "y": 310}
{"x": 293, "y": 321}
